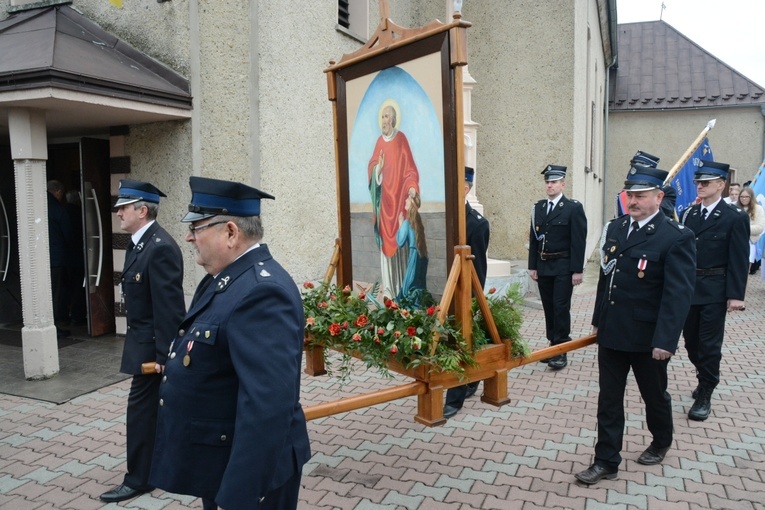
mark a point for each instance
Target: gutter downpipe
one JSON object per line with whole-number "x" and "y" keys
{"x": 613, "y": 36}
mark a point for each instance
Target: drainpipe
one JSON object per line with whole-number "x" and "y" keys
{"x": 614, "y": 56}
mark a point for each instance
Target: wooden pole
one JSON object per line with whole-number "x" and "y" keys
{"x": 689, "y": 152}
{"x": 369, "y": 399}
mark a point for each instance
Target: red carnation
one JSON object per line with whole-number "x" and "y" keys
{"x": 308, "y": 285}
{"x": 380, "y": 331}
{"x": 411, "y": 331}
{"x": 356, "y": 337}
{"x": 334, "y": 329}
{"x": 394, "y": 349}
{"x": 323, "y": 304}
{"x": 362, "y": 295}
{"x": 397, "y": 334}
{"x": 345, "y": 325}
{"x": 361, "y": 321}
{"x": 431, "y": 310}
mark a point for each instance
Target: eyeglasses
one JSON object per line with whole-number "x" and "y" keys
{"x": 703, "y": 184}
{"x": 196, "y": 229}
{"x": 742, "y": 197}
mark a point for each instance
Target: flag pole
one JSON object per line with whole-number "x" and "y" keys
{"x": 687, "y": 154}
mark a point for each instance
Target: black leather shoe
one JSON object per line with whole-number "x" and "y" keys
{"x": 450, "y": 411}
{"x": 652, "y": 456}
{"x": 594, "y": 474}
{"x": 702, "y": 407}
{"x": 545, "y": 360}
{"x": 120, "y": 493}
{"x": 695, "y": 393}
{"x": 558, "y": 362}
{"x": 471, "y": 389}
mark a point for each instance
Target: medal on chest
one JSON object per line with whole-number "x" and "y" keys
{"x": 187, "y": 357}
{"x": 642, "y": 264}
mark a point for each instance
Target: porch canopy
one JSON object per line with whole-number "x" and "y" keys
{"x": 85, "y": 79}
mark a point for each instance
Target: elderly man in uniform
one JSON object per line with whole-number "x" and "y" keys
{"x": 152, "y": 288}
{"x": 557, "y": 241}
{"x": 643, "y": 295}
{"x": 478, "y": 232}
{"x": 231, "y": 429}
{"x": 722, "y": 264}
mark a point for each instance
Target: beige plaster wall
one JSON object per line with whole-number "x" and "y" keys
{"x": 531, "y": 101}
{"x": 737, "y": 139}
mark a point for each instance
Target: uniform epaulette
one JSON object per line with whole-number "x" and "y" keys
{"x": 675, "y": 224}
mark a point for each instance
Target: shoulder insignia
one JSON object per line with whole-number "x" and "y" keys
{"x": 264, "y": 273}
{"x": 157, "y": 239}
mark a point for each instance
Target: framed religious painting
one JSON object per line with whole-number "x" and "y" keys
{"x": 397, "y": 172}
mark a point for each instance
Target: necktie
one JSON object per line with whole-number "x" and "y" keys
{"x": 704, "y": 213}
{"x": 635, "y": 227}
{"x": 550, "y": 206}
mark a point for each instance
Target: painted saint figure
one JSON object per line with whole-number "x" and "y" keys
{"x": 393, "y": 177}
{"x": 411, "y": 235}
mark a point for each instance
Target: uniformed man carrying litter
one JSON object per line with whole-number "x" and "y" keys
{"x": 644, "y": 293}
{"x": 231, "y": 429}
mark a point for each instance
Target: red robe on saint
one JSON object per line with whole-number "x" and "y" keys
{"x": 399, "y": 173}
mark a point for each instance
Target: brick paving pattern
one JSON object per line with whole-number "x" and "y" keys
{"x": 522, "y": 455}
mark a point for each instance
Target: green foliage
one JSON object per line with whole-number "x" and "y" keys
{"x": 508, "y": 317}
{"x": 358, "y": 324}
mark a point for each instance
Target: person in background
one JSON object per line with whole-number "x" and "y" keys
{"x": 722, "y": 262}
{"x": 75, "y": 278}
{"x": 557, "y": 241}
{"x": 733, "y": 191}
{"x": 231, "y": 429}
{"x": 478, "y": 233}
{"x": 152, "y": 287}
{"x": 60, "y": 234}
{"x": 748, "y": 203}
{"x": 644, "y": 292}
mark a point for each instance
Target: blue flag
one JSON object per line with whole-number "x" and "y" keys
{"x": 683, "y": 181}
{"x": 758, "y": 189}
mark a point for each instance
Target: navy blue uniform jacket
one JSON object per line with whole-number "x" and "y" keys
{"x": 230, "y": 425}
{"x": 152, "y": 281}
{"x": 636, "y": 313}
{"x": 477, "y": 229}
{"x": 723, "y": 242}
{"x": 564, "y": 229}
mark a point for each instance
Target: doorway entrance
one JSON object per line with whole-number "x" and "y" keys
{"x": 83, "y": 168}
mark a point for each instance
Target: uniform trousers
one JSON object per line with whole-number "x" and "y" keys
{"x": 651, "y": 378}
{"x": 281, "y": 498}
{"x": 555, "y": 293}
{"x": 703, "y": 332}
{"x": 141, "y": 425}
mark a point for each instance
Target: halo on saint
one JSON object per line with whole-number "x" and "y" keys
{"x": 393, "y": 104}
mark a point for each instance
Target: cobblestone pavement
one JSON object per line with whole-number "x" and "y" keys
{"x": 522, "y": 455}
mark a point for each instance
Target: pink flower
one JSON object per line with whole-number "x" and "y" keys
{"x": 310, "y": 321}
{"x": 380, "y": 331}
{"x": 323, "y": 304}
{"x": 345, "y": 325}
{"x": 308, "y": 285}
{"x": 377, "y": 339}
{"x": 356, "y": 337}
{"x": 397, "y": 334}
{"x": 394, "y": 349}
{"x": 347, "y": 289}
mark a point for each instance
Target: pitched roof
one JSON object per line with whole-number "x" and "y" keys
{"x": 59, "y": 47}
{"x": 659, "y": 68}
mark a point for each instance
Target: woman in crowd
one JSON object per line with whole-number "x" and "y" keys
{"x": 747, "y": 202}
